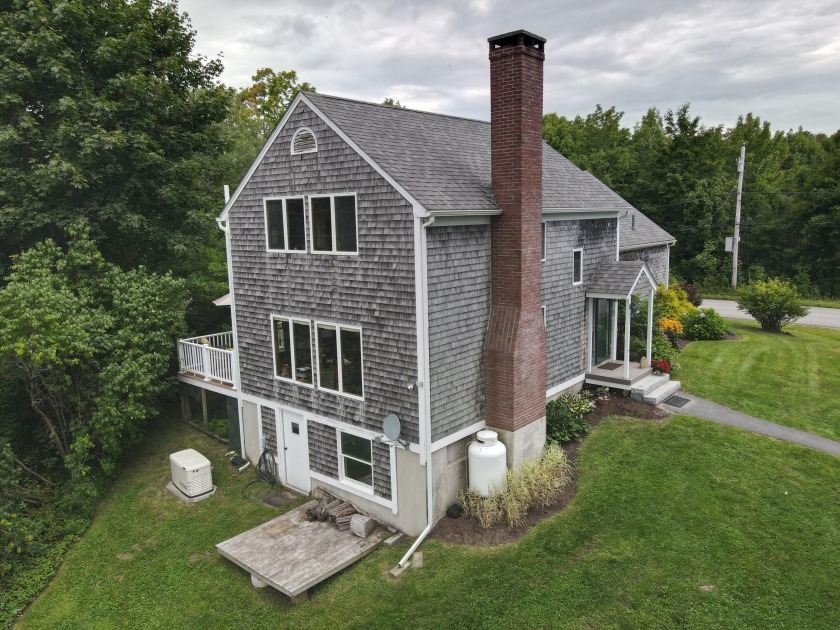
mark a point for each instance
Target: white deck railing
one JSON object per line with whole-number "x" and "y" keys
{"x": 211, "y": 357}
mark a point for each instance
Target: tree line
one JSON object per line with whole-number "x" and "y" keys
{"x": 683, "y": 175}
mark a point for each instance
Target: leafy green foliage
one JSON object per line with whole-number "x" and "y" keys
{"x": 704, "y": 324}
{"x": 108, "y": 115}
{"x": 90, "y": 345}
{"x": 565, "y": 417}
{"x": 661, "y": 348}
{"x": 390, "y": 102}
{"x": 773, "y": 303}
{"x": 218, "y": 426}
{"x": 269, "y": 97}
{"x": 692, "y": 293}
{"x": 537, "y": 483}
{"x": 671, "y": 303}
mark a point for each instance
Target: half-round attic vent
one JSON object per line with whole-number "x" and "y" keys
{"x": 304, "y": 141}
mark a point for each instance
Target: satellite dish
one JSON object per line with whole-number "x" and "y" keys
{"x": 391, "y": 427}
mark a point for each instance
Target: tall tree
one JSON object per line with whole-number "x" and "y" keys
{"x": 106, "y": 113}
{"x": 269, "y": 97}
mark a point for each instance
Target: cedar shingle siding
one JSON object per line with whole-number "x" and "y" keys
{"x": 459, "y": 311}
{"x": 373, "y": 290}
{"x": 323, "y": 449}
{"x": 656, "y": 259}
{"x": 566, "y": 325}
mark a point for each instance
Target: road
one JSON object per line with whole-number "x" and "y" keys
{"x": 823, "y": 317}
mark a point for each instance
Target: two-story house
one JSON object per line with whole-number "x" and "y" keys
{"x": 453, "y": 272}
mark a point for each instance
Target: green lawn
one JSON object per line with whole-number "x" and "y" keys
{"x": 681, "y": 523}
{"x": 791, "y": 378}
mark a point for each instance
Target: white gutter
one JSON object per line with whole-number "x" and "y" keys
{"x": 224, "y": 227}
{"x": 424, "y": 397}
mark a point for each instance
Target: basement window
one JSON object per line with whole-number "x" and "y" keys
{"x": 577, "y": 271}
{"x": 356, "y": 459}
{"x": 285, "y": 226}
{"x": 333, "y": 224}
{"x": 304, "y": 141}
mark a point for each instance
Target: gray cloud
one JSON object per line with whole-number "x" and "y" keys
{"x": 778, "y": 60}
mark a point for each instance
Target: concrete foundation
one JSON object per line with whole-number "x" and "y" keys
{"x": 525, "y": 444}
{"x": 251, "y": 430}
{"x": 174, "y": 490}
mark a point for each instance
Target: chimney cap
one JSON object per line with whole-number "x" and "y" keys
{"x": 513, "y": 37}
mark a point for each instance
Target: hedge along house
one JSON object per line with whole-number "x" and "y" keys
{"x": 389, "y": 261}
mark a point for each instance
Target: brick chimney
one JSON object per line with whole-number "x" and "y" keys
{"x": 516, "y": 346}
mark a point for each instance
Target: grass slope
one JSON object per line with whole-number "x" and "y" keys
{"x": 790, "y": 378}
{"x": 676, "y": 524}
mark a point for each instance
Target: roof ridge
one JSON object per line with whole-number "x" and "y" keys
{"x": 404, "y": 109}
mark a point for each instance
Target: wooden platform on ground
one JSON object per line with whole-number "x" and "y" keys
{"x": 293, "y": 554}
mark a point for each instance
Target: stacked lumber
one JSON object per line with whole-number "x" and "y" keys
{"x": 344, "y": 514}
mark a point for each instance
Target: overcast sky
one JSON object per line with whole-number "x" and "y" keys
{"x": 779, "y": 60}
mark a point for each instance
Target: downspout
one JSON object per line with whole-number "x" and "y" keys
{"x": 225, "y": 227}
{"x": 425, "y": 428}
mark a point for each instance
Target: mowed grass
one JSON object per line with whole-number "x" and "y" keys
{"x": 681, "y": 523}
{"x": 792, "y": 378}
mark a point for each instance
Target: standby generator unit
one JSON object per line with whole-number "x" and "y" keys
{"x": 191, "y": 473}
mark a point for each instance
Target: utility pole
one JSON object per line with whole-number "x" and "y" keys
{"x": 738, "y": 217}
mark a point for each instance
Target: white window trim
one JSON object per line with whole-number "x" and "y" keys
{"x": 579, "y": 282}
{"x": 344, "y": 479}
{"x": 292, "y": 321}
{"x": 338, "y": 328}
{"x": 332, "y": 197}
{"x": 544, "y": 251}
{"x": 285, "y": 249}
{"x": 294, "y": 137}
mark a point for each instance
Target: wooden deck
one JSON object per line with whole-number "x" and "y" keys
{"x": 293, "y": 554}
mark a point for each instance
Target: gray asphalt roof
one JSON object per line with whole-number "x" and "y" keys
{"x": 615, "y": 278}
{"x": 645, "y": 231}
{"x": 444, "y": 161}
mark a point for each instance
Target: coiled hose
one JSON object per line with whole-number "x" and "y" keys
{"x": 266, "y": 473}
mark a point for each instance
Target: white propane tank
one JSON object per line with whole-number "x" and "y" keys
{"x": 487, "y": 458}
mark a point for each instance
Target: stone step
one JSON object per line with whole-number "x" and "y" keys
{"x": 661, "y": 393}
{"x": 645, "y": 386}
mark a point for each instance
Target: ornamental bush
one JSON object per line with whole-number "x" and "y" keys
{"x": 565, "y": 417}
{"x": 671, "y": 303}
{"x": 704, "y": 324}
{"x": 672, "y": 329}
{"x": 661, "y": 348}
{"x": 773, "y": 303}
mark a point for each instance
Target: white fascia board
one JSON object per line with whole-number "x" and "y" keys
{"x": 577, "y": 214}
{"x": 630, "y": 248}
{"x": 458, "y": 435}
{"x": 607, "y": 296}
{"x": 564, "y": 385}
{"x": 268, "y": 143}
{"x": 463, "y": 219}
{"x": 208, "y": 385}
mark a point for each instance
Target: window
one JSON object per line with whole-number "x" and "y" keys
{"x": 292, "y": 350}
{"x": 577, "y": 272}
{"x": 340, "y": 359}
{"x": 285, "y": 225}
{"x": 543, "y": 242}
{"x": 356, "y": 458}
{"x": 333, "y": 224}
{"x": 304, "y": 141}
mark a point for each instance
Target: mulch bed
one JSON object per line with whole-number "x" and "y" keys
{"x": 467, "y": 531}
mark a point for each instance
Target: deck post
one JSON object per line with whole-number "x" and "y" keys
{"x": 627, "y": 338}
{"x": 614, "y": 339}
{"x": 650, "y": 327}
{"x": 299, "y": 598}
{"x": 590, "y": 337}
{"x": 205, "y": 362}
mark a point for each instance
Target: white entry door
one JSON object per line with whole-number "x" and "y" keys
{"x": 296, "y": 450}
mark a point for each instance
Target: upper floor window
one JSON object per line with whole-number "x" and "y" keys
{"x": 340, "y": 359}
{"x": 333, "y": 224}
{"x": 304, "y": 141}
{"x": 292, "y": 349}
{"x": 285, "y": 225}
{"x": 577, "y": 271}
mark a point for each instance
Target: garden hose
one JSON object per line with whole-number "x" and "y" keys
{"x": 266, "y": 473}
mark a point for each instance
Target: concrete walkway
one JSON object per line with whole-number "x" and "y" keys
{"x": 701, "y": 408}
{"x": 818, "y": 316}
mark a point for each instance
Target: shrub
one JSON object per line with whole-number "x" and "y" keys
{"x": 671, "y": 303}
{"x": 692, "y": 293}
{"x": 704, "y": 325}
{"x": 535, "y": 484}
{"x": 672, "y": 329}
{"x": 773, "y": 303}
{"x": 661, "y": 348}
{"x": 661, "y": 365}
{"x": 565, "y": 417}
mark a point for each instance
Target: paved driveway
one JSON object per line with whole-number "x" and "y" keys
{"x": 824, "y": 317}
